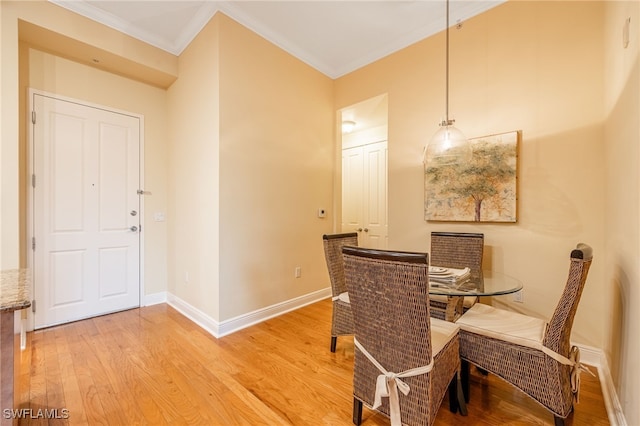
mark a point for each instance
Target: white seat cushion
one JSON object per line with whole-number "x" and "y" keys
{"x": 344, "y": 297}
{"x": 504, "y": 325}
{"x": 441, "y": 333}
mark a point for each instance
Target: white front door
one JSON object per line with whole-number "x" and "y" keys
{"x": 86, "y": 210}
{"x": 364, "y": 193}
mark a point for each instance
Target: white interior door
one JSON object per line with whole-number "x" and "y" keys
{"x": 375, "y": 205}
{"x": 86, "y": 211}
{"x": 352, "y": 190}
{"x": 364, "y": 193}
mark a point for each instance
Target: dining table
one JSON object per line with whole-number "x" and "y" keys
{"x": 485, "y": 283}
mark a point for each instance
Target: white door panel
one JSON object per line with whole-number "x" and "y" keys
{"x": 86, "y": 163}
{"x": 352, "y": 189}
{"x": 364, "y": 193}
{"x": 376, "y": 207}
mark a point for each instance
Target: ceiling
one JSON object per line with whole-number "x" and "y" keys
{"x": 334, "y": 37}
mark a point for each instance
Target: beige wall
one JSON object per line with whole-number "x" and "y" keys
{"x": 249, "y": 216}
{"x": 516, "y": 67}
{"x": 622, "y": 205}
{"x": 9, "y": 212}
{"x": 521, "y": 66}
{"x": 194, "y": 271}
{"x": 276, "y": 170}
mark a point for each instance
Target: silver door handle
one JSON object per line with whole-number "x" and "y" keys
{"x": 134, "y": 228}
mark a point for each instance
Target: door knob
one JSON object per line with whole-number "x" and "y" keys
{"x": 366, "y": 229}
{"x": 134, "y": 228}
{"x": 359, "y": 229}
{"x": 133, "y": 213}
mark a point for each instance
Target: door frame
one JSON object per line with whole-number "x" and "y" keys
{"x": 28, "y": 323}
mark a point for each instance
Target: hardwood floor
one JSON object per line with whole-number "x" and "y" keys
{"x": 153, "y": 366}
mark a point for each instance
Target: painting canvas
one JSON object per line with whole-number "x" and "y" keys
{"x": 482, "y": 189}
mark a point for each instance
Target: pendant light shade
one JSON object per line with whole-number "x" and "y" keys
{"x": 448, "y": 145}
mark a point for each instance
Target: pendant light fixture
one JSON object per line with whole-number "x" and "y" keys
{"x": 448, "y": 145}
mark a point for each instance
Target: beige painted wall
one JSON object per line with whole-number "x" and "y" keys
{"x": 276, "y": 170}
{"x": 53, "y": 74}
{"x": 249, "y": 216}
{"x": 521, "y": 66}
{"x": 194, "y": 253}
{"x": 516, "y": 67}
{"x": 9, "y": 219}
{"x": 622, "y": 204}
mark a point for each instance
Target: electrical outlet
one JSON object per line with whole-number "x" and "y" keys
{"x": 298, "y": 272}
{"x": 518, "y": 296}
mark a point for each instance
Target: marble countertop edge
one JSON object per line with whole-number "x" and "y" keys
{"x": 15, "y": 289}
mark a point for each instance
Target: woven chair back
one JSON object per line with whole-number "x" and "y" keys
{"x": 390, "y": 304}
{"x": 457, "y": 250}
{"x": 558, "y": 333}
{"x": 333, "y": 244}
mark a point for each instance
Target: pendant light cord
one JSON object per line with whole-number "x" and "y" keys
{"x": 446, "y": 102}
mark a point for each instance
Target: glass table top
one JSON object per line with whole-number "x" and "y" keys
{"x": 489, "y": 283}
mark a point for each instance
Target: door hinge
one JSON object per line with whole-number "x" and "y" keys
{"x": 33, "y": 243}
{"x": 33, "y": 306}
{"x": 33, "y": 180}
{"x": 33, "y": 117}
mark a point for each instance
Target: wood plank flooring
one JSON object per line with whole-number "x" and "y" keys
{"x": 153, "y": 366}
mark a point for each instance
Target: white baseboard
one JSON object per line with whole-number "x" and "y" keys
{"x": 220, "y": 329}
{"x": 194, "y": 314}
{"x": 154, "y": 299}
{"x": 609, "y": 394}
{"x": 590, "y": 355}
{"x": 595, "y": 357}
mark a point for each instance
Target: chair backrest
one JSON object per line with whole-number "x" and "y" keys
{"x": 333, "y": 244}
{"x": 390, "y": 305}
{"x": 558, "y": 333}
{"x": 457, "y": 250}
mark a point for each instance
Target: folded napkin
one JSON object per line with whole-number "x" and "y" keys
{"x": 451, "y": 276}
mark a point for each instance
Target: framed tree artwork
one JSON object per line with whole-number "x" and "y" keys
{"x": 484, "y": 189}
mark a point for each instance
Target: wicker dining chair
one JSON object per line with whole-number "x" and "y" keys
{"x": 529, "y": 353}
{"x": 342, "y": 318}
{"x": 396, "y": 342}
{"x": 456, "y": 250}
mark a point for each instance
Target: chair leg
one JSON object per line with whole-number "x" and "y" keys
{"x": 482, "y": 371}
{"x": 357, "y": 411}
{"x": 558, "y": 421}
{"x": 453, "y": 395}
{"x": 462, "y": 405}
{"x": 464, "y": 373}
{"x": 334, "y": 340}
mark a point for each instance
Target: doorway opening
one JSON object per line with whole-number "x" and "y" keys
{"x": 364, "y": 171}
